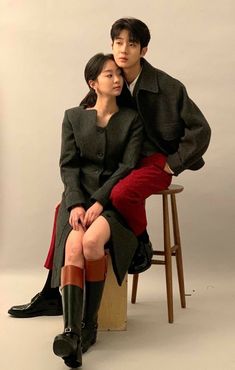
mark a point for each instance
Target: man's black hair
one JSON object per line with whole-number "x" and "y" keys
{"x": 138, "y": 31}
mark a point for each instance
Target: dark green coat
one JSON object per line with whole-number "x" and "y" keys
{"x": 93, "y": 160}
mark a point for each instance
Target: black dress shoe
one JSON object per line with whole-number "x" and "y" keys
{"x": 142, "y": 258}
{"x": 40, "y": 305}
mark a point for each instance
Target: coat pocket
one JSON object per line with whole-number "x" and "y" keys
{"x": 171, "y": 130}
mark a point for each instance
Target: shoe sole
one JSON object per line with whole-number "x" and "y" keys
{"x": 35, "y": 314}
{"x": 72, "y": 362}
{"x": 62, "y": 348}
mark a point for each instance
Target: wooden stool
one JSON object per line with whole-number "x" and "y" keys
{"x": 169, "y": 251}
{"x": 113, "y": 308}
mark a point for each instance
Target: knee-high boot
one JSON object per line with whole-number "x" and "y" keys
{"x": 95, "y": 274}
{"x": 68, "y": 344}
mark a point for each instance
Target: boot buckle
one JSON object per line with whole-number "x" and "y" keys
{"x": 68, "y": 330}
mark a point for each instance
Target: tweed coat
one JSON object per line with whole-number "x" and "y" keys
{"x": 172, "y": 122}
{"x": 93, "y": 159}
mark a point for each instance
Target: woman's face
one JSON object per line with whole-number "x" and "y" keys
{"x": 110, "y": 80}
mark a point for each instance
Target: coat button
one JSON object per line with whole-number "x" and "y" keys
{"x": 100, "y": 155}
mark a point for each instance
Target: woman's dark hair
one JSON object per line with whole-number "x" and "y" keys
{"x": 91, "y": 72}
{"x": 138, "y": 31}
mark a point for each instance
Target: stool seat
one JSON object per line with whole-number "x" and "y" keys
{"x": 169, "y": 250}
{"x": 173, "y": 189}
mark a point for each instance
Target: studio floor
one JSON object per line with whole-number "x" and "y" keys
{"x": 202, "y": 336}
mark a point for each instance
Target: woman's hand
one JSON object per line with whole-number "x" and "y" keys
{"x": 92, "y": 213}
{"x": 77, "y": 215}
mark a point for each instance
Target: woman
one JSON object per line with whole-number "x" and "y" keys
{"x": 100, "y": 145}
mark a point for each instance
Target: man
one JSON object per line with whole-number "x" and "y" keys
{"x": 176, "y": 136}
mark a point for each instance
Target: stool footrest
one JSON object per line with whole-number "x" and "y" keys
{"x": 158, "y": 262}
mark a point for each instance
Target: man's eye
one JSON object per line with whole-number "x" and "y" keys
{"x": 109, "y": 75}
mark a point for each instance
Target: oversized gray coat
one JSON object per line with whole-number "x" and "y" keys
{"x": 172, "y": 121}
{"x": 93, "y": 159}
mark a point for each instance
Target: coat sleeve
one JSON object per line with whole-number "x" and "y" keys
{"x": 69, "y": 165}
{"x": 129, "y": 161}
{"x": 196, "y": 137}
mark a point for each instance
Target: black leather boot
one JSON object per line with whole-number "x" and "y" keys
{"x": 68, "y": 344}
{"x": 95, "y": 272}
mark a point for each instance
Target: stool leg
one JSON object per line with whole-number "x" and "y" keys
{"x": 168, "y": 265}
{"x": 178, "y": 253}
{"x": 134, "y": 287}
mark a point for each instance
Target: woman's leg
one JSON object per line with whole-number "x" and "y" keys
{"x": 68, "y": 344}
{"x": 74, "y": 249}
{"x": 94, "y": 240}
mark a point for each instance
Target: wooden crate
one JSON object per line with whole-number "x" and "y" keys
{"x": 113, "y": 310}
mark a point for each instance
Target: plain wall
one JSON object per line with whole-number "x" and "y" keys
{"x": 44, "y": 48}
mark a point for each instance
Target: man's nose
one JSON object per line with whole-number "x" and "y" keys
{"x": 124, "y": 48}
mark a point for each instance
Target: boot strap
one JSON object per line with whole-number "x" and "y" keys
{"x": 72, "y": 275}
{"x": 96, "y": 270}
{"x": 71, "y": 331}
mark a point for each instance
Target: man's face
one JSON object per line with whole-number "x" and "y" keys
{"x": 126, "y": 52}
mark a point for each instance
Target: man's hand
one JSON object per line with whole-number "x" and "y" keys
{"x": 77, "y": 216}
{"x": 167, "y": 169}
{"x": 92, "y": 213}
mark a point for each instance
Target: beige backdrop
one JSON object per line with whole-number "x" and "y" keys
{"x": 44, "y": 48}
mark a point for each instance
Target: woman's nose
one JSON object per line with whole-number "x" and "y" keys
{"x": 117, "y": 78}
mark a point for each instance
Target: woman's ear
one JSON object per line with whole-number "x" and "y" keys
{"x": 91, "y": 84}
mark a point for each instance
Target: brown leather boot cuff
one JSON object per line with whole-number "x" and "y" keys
{"x": 95, "y": 270}
{"x": 72, "y": 275}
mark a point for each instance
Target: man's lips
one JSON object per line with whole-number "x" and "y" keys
{"x": 123, "y": 59}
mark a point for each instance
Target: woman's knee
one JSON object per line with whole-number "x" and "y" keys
{"x": 92, "y": 248}
{"x": 73, "y": 252}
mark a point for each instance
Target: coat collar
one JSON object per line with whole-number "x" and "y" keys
{"x": 148, "y": 79}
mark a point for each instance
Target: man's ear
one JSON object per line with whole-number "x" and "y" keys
{"x": 143, "y": 51}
